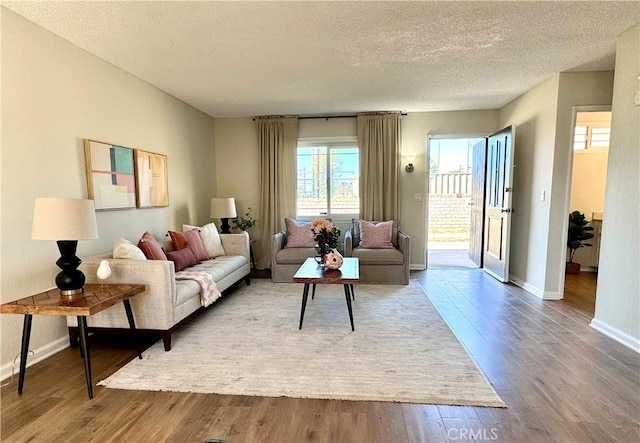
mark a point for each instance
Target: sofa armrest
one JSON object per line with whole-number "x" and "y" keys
{"x": 236, "y": 244}
{"x": 153, "y": 309}
{"x": 404, "y": 245}
{"x": 277, "y": 243}
{"x": 348, "y": 243}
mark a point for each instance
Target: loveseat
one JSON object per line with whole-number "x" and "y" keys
{"x": 388, "y": 265}
{"x": 167, "y": 302}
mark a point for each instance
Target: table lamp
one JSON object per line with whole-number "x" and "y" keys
{"x": 65, "y": 220}
{"x": 223, "y": 208}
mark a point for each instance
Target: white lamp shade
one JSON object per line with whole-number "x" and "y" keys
{"x": 64, "y": 219}
{"x": 224, "y": 207}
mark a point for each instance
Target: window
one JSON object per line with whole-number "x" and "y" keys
{"x": 580, "y": 138}
{"x": 328, "y": 179}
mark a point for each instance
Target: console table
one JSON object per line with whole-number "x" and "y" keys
{"x": 95, "y": 298}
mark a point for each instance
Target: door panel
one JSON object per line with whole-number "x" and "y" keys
{"x": 477, "y": 201}
{"x": 498, "y": 204}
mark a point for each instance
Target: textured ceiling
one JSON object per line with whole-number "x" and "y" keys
{"x": 234, "y": 59}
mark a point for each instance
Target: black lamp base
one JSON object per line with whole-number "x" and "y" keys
{"x": 225, "y": 226}
{"x": 70, "y": 280}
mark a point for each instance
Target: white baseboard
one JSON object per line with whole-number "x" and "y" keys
{"x": 535, "y": 290}
{"x": 38, "y": 355}
{"x": 621, "y": 337}
{"x": 417, "y": 267}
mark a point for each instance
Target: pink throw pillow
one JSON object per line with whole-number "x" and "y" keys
{"x": 151, "y": 248}
{"x": 299, "y": 234}
{"x": 376, "y": 236}
{"x": 182, "y": 258}
{"x": 189, "y": 239}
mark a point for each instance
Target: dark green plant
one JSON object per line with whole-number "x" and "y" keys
{"x": 578, "y": 233}
{"x": 245, "y": 221}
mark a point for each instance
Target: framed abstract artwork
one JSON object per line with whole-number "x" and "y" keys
{"x": 152, "y": 190}
{"x": 110, "y": 175}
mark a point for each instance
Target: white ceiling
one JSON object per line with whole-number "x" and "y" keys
{"x": 237, "y": 59}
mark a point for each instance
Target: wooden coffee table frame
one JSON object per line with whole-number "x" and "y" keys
{"x": 94, "y": 299}
{"x": 310, "y": 273}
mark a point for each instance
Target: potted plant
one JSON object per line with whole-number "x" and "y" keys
{"x": 244, "y": 222}
{"x": 578, "y": 233}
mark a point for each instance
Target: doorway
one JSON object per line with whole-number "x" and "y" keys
{"x": 449, "y": 201}
{"x": 590, "y": 152}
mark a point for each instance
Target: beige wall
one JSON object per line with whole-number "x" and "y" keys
{"x": 575, "y": 89}
{"x": 588, "y": 179}
{"x": 53, "y": 96}
{"x": 618, "y": 294}
{"x": 543, "y": 125}
{"x": 533, "y": 116}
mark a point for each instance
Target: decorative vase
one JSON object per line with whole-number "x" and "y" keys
{"x": 333, "y": 260}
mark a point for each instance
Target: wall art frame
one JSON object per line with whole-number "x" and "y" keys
{"x": 110, "y": 171}
{"x": 152, "y": 184}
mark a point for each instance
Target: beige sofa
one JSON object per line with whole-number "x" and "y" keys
{"x": 384, "y": 266}
{"x": 167, "y": 302}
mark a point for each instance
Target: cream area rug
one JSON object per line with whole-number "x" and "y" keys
{"x": 248, "y": 343}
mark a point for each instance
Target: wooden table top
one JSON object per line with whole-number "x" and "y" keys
{"x": 92, "y": 301}
{"x": 310, "y": 272}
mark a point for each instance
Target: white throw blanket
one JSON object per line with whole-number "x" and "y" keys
{"x": 208, "y": 289}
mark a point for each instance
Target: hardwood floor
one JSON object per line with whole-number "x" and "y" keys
{"x": 562, "y": 381}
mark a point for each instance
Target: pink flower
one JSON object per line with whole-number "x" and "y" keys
{"x": 319, "y": 223}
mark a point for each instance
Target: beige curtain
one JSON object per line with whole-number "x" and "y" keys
{"x": 277, "y": 141}
{"x": 379, "y": 141}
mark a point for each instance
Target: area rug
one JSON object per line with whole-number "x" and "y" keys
{"x": 248, "y": 343}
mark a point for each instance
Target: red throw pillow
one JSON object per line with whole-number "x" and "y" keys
{"x": 151, "y": 248}
{"x": 182, "y": 258}
{"x": 192, "y": 240}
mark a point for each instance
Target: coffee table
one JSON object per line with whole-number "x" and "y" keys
{"x": 310, "y": 273}
{"x": 95, "y": 298}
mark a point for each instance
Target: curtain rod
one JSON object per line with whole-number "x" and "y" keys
{"x": 334, "y": 116}
{"x": 327, "y": 117}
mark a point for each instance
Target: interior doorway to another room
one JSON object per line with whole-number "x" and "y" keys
{"x": 449, "y": 203}
{"x": 588, "y": 181}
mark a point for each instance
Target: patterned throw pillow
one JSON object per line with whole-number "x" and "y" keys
{"x": 299, "y": 234}
{"x": 189, "y": 239}
{"x": 376, "y": 236}
{"x": 356, "y": 232}
{"x": 182, "y": 258}
{"x": 123, "y": 248}
{"x": 151, "y": 248}
{"x": 210, "y": 238}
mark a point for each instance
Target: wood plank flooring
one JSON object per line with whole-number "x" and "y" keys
{"x": 562, "y": 382}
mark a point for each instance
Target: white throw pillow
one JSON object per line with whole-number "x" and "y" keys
{"x": 123, "y": 248}
{"x": 210, "y": 238}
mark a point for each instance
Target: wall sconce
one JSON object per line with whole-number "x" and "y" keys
{"x": 410, "y": 160}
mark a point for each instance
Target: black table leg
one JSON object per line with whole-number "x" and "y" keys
{"x": 84, "y": 338}
{"x": 353, "y": 294}
{"x": 347, "y": 295}
{"x": 132, "y": 325}
{"x": 313, "y": 292}
{"x": 24, "y": 352}
{"x": 305, "y": 294}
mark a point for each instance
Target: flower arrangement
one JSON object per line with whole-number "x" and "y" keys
{"x": 325, "y": 235}
{"x": 245, "y": 221}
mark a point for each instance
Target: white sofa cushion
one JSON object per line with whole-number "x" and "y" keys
{"x": 123, "y": 248}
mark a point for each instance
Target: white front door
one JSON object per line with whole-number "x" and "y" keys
{"x": 498, "y": 210}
